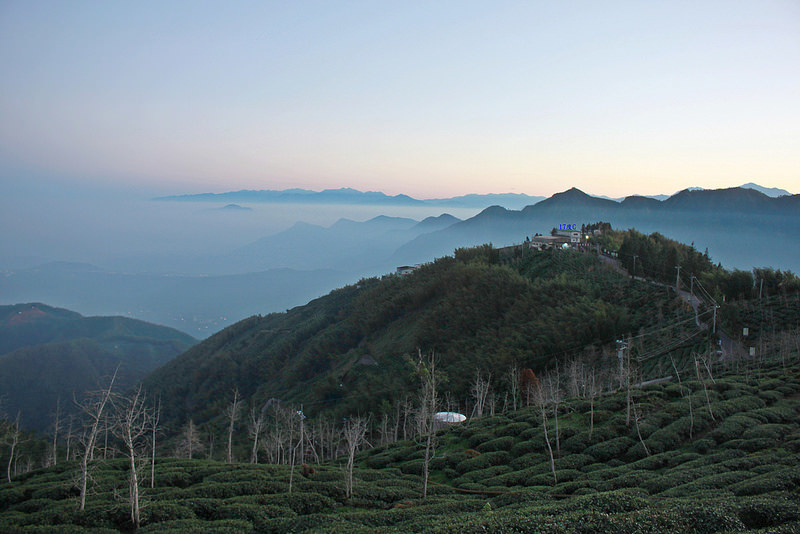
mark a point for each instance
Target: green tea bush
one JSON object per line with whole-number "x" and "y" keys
{"x": 574, "y": 461}
{"x": 770, "y": 395}
{"x": 612, "y": 448}
{"x": 750, "y": 445}
{"x": 781, "y": 412}
{"x": 157, "y": 512}
{"x": 483, "y": 461}
{"x": 771, "y": 511}
{"x": 12, "y": 496}
{"x": 630, "y": 479}
{"x": 227, "y": 526}
{"x": 481, "y": 437}
{"x": 712, "y": 481}
{"x": 525, "y": 447}
{"x": 480, "y": 475}
{"x": 513, "y": 429}
{"x": 733, "y": 427}
{"x": 659, "y": 483}
{"x": 727, "y": 408}
{"x": 498, "y": 444}
{"x": 702, "y": 445}
{"x": 706, "y": 517}
{"x": 787, "y": 479}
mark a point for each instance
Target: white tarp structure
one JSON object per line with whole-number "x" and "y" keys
{"x": 449, "y": 417}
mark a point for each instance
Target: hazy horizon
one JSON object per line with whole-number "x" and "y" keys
{"x": 430, "y": 100}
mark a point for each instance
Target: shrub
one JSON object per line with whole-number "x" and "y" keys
{"x": 483, "y": 461}
{"x": 157, "y": 512}
{"x": 610, "y": 449}
{"x": 772, "y": 511}
{"x": 498, "y": 444}
{"x": 781, "y": 479}
{"x": 228, "y": 526}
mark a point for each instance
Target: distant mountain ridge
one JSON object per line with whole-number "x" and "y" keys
{"x": 49, "y": 353}
{"x": 723, "y": 218}
{"x": 348, "y": 195}
{"x": 353, "y": 196}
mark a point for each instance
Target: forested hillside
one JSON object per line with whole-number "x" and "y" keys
{"x": 47, "y": 354}
{"x": 353, "y": 351}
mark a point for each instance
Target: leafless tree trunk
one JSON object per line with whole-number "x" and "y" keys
{"x": 594, "y": 391}
{"x": 541, "y": 400}
{"x": 212, "y": 439}
{"x": 554, "y": 393}
{"x": 93, "y": 407}
{"x": 254, "y": 429}
{"x": 638, "y": 432}
{"x": 512, "y": 377}
{"x": 383, "y": 429}
{"x": 69, "y": 437}
{"x": 705, "y": 389}
{"x": 232, "y": 414}
{"x": 408, "y": 412}
{"x": 156, "y": 418}
{"x": 12, "y": 440}
{"x": 480, "y": 389}
{"x": 190, "y": 440}
{"x": 56, "y": 428}
{"x": 428, "y": 404}
{"x": 133, "y": 422}
{"x": 353, "y": 433}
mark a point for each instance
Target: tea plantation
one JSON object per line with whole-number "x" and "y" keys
{"x": 726, "y": 462}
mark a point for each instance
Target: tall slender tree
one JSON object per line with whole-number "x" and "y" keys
{"x": 93, "y": 408}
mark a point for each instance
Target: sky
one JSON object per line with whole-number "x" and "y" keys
{"x": 430, "y": 99}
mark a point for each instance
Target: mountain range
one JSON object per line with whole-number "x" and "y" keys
{"x": 351, "y": 196}
{"x": 741, "y": 227}
{"x": 355, "y": 197}
{"x": 48, "y": 353}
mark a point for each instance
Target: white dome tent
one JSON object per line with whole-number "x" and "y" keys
{"x": 449, "y": 417}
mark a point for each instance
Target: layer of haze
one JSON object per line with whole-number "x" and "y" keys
{"x": 430, "y": 99}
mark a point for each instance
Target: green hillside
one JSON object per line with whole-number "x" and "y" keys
{"x": 733, "y": 472}
{"x": 352, "y": 350}
{"x": 49, "y": 353}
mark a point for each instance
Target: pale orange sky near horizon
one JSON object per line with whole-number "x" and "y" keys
{"x": 429, "y": 100}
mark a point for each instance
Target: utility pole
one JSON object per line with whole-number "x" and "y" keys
{"x": 677, "y": 277}
{"x": 714, "y": 329}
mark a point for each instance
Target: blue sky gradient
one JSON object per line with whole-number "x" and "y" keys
{"x": 430, "y": 99}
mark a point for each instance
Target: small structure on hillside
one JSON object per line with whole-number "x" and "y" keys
{"x": 405, "y": 270}
{"x": 449, "y": 417}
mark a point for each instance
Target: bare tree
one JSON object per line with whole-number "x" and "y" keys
{"x": 255, "y": 427}
{"x": 12, "y": 440}
{"x": 154, "y": 428}
{"x": 638, "y": 432}
{"x": 354, "y": 431}
{"x": 190, "y": 440}
{"x": 480, "y": 390}
{"x": 702, "y": 381}
{"x": 553, "y": 391}
{"x": 593, "y": 390}
{"x": 56, "y": 428}
{"x": 132, "y": 424}
{"x": 232, "y": 414}
{"x": 540, "y": 398}
{"x": 93, "y": 407}
{"x": 69, "y": 437}
{"x": 428, "y": 405}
